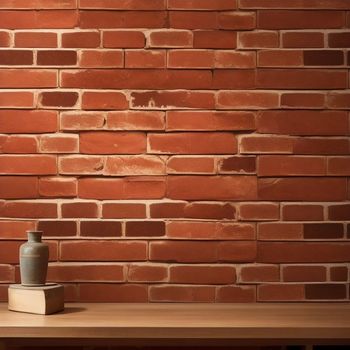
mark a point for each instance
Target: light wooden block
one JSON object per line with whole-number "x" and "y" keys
{"x": 42, "y": 300}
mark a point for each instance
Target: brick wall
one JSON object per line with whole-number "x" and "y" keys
{"x": 178, "y": 150}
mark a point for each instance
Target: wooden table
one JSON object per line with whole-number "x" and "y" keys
{"x": 181, "y": 324}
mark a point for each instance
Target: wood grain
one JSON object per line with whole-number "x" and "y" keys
{"x": 233, "y": 323}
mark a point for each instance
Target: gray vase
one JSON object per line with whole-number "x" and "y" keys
{"x": 34, "y": 257}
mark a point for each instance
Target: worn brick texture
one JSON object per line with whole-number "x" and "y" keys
{"x": 178, "y": 150}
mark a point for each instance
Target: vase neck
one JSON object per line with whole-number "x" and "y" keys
{"x": 34, "y": 236}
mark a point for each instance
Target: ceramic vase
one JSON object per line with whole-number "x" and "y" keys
{"x": 34, "y": 257}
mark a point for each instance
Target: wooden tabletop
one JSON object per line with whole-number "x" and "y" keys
{"x": 184, "y": 321}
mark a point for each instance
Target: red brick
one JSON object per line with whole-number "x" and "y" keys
{"x": 237, "y": 165}
{"x": 123, "y": 211}
{"x": 240, "y": 251}
{"x": 237, "y": 20}
{"x": 247, "y": 100}
{"x": 211, "y": 230}
{"x": 193, "y": 143}
{"x": 136, "y": 120}
{"x": 81, "y": 165}
{"x": 190, "y": 165}
{"x": 57, "y": 58}
{"x": 182, "y": 294}
{"x": 18, "y": 144}
{"x": 258, "y": 39}
{"x": 109, "y": 143}
{"x": 190, "y": 59}
{"x": 172, "y": 99}
{"x": 123, "y": 39}
{"x": 210, "y": 211}
{"x": 303, "y": 122}
{"x": 215, "y": 39}
{"x": 122, "y": 19}
{"x": 281, "y": 292}
{"x": 259, "y": 273}
{"x": 38, "y": 4}
{"x": 295, "y": 4}
{"x": 291, "y": 166}
{"x": 12, "y": 187}
{"x": 29, "y": 78}
{"x": 79, "y": 210}
{"x": 301, "y": 79}
{"x": 339, "y": 273}
{"x": 134, "y": 165}
{"x": 113, "y": 293}
{"x": 167, "y": 210}
{"x": 339, "y": 39}
{"x": 65, "y": 272}
{"x": 28, "y": 210}
{"x": 193, "y": 19}
{"x": 281, "y": 19}
{"x": 302, "y": 212}
{"x": 141, "y": 79}
{"x": 211, "y": 187}
{"x": 323, "y": 58}
{"x": 16, "y": 99}
{"x": 300, "y": 252}
{"x": 280, "y": 231}
{"x": 324, "y": 145}
{"x": 57, "y": 143}
{"x": 304, "y": 273}
{"x": 236, "y": 294}
{"x": 129, "y": 188}
{"x": 101, "y": 59}
{"x": 57, "y": 187}
{"x": 234, "y": 59}
{"x": 202, "y": 4}
{"x": 303, "y": 100}
{"x": 144, "y": 228}
{"x": 323, "y": 230}
{"x": 33, "y": 164}
{"x": 81, "y": 39}
{"x": 39, "y": 19}
{"x": 5, "y": 39}
{"x": 35, "y": 39}
{"x": 15, "y": 229}
{"x": 7, "y": 273}
{"x": 234, "y": 79}
{"x": 182, "y": 251}
{"x": 210, "y": 120}
{"x": 280, "y": 58}
{"x": 123, "y": 4}
{"x": 58, "y": 228}
{"x": 145, "y": 59}
{"x": 170, "y": 38}
{"x": 100, "y": 228}
{"x": 339, "y": 212}
{"x": 259, "y": 211}
{"x": 59, "y": 99}
{"x": 103, "y": 251}
{"x": 302, "y": 188}
{"x": 338, "y": 100}
{"x": 339, "y": 166}
{"x": 147, "y": 273}
{"x": 302, "y": 39}
{"x": 266, "y": 144}
{"x": 202, "y": 274}
{"x": 81, "y": 120}
{"x": 325, "y": 291}
{"x": 104, "y": 100}
{"x": 16, "y": 57}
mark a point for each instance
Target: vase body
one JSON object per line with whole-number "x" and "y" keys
{"x": 34, "y": 257}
